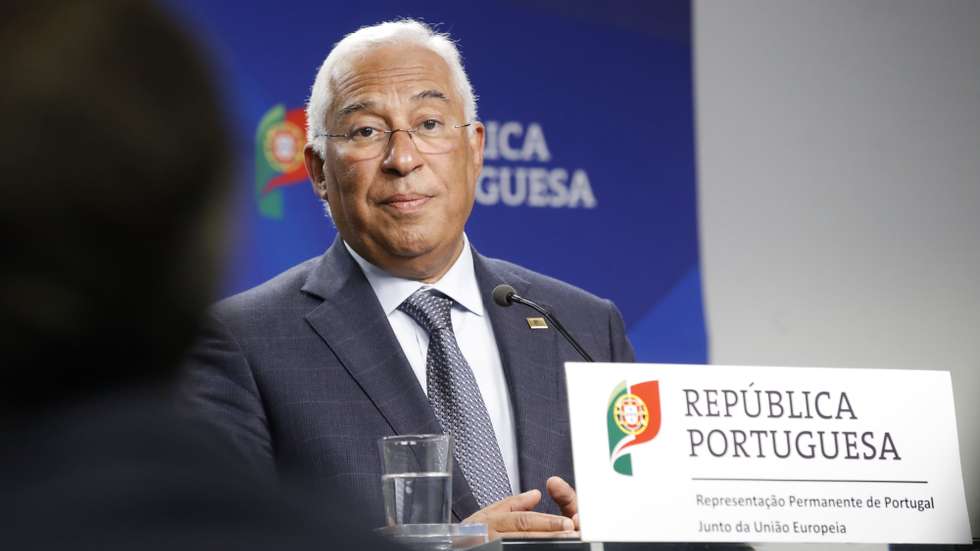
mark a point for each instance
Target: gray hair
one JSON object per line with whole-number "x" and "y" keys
{"x": 358, "y": 43}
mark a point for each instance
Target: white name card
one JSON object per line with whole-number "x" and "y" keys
{"x": 765, "y": 454}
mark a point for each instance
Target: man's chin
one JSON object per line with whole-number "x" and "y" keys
{"x": 421, "y": 259}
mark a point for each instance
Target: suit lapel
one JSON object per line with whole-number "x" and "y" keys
{"x": 531, "y": 364}
{"x": 351, "y": 322}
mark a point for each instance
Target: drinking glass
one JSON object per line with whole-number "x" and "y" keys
{"x": 416, "y": 476}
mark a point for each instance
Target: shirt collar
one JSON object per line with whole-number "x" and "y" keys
{"x": 459, "y": 283}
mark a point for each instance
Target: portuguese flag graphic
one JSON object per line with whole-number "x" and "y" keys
{"x": 633, "y": 418}
{"x": 279, "y": 142}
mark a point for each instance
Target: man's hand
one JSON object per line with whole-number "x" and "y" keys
{"x": 513, "y": 517}
{"x": 565, "y": 496}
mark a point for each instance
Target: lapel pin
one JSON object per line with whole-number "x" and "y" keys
{"x": 537, "y": 323}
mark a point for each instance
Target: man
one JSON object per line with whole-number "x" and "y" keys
{"x": 115, "y": 183}
{"x": 392, "y": 330}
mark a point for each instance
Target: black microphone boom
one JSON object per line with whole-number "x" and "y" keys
{"x": 505, "y": 295}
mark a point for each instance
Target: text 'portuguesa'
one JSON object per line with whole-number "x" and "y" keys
{"x": 828, "y": 407}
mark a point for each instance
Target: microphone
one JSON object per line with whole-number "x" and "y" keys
{"x": 505, "y": 295}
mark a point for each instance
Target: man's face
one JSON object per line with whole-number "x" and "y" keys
{"x": 401, "y": 209}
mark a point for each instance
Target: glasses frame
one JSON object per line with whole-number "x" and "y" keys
{"x": 390, "y": 133}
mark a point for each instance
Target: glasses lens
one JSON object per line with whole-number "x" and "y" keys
{"x": 430, "y": 137}
{"x": 438, "y": 140}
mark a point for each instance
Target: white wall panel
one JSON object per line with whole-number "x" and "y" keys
{"x": 839, "y": 189}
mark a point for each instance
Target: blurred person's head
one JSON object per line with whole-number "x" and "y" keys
{"x": 114, "y": 160}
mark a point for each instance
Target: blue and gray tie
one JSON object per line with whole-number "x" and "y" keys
{"x": 456, "y": 399}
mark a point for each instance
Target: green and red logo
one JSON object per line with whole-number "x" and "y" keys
{"x": 279, "y": 142}
{"x": 633, "y": 417}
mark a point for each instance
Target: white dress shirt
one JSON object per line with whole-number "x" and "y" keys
{"x": 474, "y": 335}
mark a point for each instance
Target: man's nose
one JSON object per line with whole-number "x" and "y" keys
{"x": 401, "y": 157}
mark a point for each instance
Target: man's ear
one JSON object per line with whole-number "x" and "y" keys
{"x": 475, "y": 140}
{"x": 314, "y": 168}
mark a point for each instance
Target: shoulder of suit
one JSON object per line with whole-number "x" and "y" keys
{"x": 281, "y": 291}
{"x": 544, "y": 288}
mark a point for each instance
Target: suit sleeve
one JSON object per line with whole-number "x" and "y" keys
{"x": 218, "y": 386}
{"x": 621, "y": 350}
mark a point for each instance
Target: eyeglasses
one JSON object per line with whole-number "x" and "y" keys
{"x": 430, "y": 137}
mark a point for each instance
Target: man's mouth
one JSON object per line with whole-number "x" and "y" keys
{"x": 406, "y": 202}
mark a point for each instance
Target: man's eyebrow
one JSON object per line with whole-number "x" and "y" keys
{"x": 353, "y": 108}
{"x": 349, "y": 109}
{"x": 426, "y": 94}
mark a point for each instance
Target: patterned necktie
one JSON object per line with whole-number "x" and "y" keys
{"x": 456, "y": 399}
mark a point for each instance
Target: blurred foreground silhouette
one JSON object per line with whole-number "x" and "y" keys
{"x": 114, "y": 160}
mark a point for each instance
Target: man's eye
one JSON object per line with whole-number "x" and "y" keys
{"x": 430, "y": 125}
{"x": 363, "y": 133}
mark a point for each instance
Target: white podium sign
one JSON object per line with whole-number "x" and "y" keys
{"x": 757, "y": 454}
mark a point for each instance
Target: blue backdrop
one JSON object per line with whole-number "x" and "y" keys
{"x": 589, "y": 172}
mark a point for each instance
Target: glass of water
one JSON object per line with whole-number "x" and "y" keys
{"x": 416, "y": 476}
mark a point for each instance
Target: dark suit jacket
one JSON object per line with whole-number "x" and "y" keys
{"x": 122, "y": 470}
{"x": 307, "y": 374}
